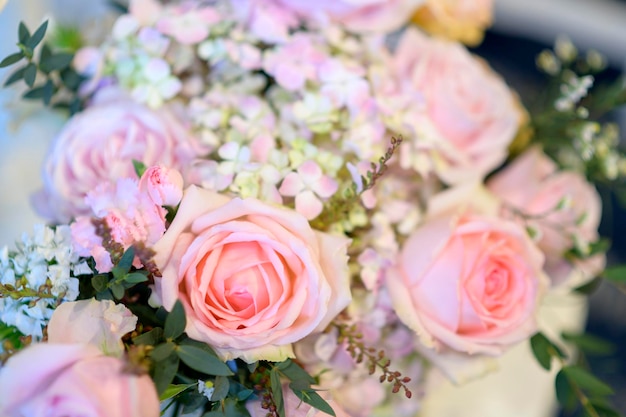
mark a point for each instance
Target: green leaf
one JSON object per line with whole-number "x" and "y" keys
{"x": 564, "y": 391}
{"x": 277, "y": 392}
{"x": 140, "y": 167}
{"x": 151, "y": 338}
{"x": 315, "y": 400}
{"x": 100, "y": 282}
{"x": 173, "y": 390}
{"x": 604, "y": 409}
{"x": 164, "y": 373}
{"x": 23, "y": 34}
{"x": 244, "y": 394}
{"x": 586, "y": 381}
{"x": 57, "y": 62}
{"x": 221, "y": 387}
{"x": 118, "y": 290}
{"x": 36, "y": 93}
{"x": 162, "y": 351}
{"x": 44, "y": 54}
{"x": 176, "y": 321}
{"x": 11, "y": 59}
{"x": 589, "y": 287}
{"x": 540, "y": 346}
{"x": 127, "y": 259}
{"x": 200, "y": 345}
{"x": 15, "y": 76}
{"x": 34, "y": 40}
{"x": 30, "y": 74}
{"x": 136, "y": 277}
{"x": 590, "y": 344}
{"x": 294, "y": 372}
{"x": 48, "y": 92}
{"x": 71, "y": 79}
{"x": 615, "y": 273}
{"x": 202, "y": 361}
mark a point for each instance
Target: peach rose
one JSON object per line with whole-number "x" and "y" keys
{"x": 358, "y": 15}
{"x": 460, "y": 20}
{"x": 253, "y": 278}
{"x": 561, "y": 206}
{"x": 466, "y": 279}
{"x": 55, "y": 380}
{"x": 99, "y": 145}
{"x": 468, "y": 116}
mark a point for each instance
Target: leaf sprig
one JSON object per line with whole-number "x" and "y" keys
{"x": 574, "y": 384}
{"x": 373, "y": 358}
{"x": 60, "y": 82}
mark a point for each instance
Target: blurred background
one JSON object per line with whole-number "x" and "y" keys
{"x": 521, "y": 30}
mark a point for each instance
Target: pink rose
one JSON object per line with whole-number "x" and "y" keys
{"x": 468, "y": 115}
{"x": 56, "y": 380}
{"x": 357, "y": 15}
{"x": 163, "y": 185}
{"x": 466, "y": 279}
{"x": 561, "y": 206}
{"x": 253, "y": 278}
{"x": 98, "y": 145}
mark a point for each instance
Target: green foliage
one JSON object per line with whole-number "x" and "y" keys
{"x": 589, "y": 344}
{"x": 202, "y": 361}
{"x": 615, "y": 274}
{"x": 574, "y": 385}
{"x": 175, "y": 322}
{"x": 48, "y": 77}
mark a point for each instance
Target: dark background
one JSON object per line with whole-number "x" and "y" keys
{"x": 514, "y": 58}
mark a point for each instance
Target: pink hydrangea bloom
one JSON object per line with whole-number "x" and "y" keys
{"x": 308, "y": 185}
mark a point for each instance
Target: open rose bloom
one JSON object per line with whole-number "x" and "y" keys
{"x": 292, "y": 195}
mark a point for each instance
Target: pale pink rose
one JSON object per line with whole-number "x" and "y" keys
{"x": 468, "y": 114}
{"x": 357, "y": 15}
{"x": 466, "y": 279}
{"x": 98, "y": 323}
{"x": 561, "y": 206}
{"x": 163, "y": 185}
{"x": 253, "y": 278}
{"x": 56, "y": 380}
{"x": 462, "y": 20}
{"x": 98, "y": 146}
{"x": 294, "y": 407}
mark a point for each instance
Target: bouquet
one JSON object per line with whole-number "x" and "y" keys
{"x": 282, "y": 207}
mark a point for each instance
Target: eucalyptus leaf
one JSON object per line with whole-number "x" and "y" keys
{"x": 173, "y": 390}
{"x": 57, "y": 62}
{"x": 615, "y": 273}
{"x": 23, "y": 34}
{"x": 15, "y": 76}
{"x": 277, "y": 392}
{"x": 585, "y": 380}
{"x": 140, "y": 167}
{"x": 11, "y": 59}
{"x": 36, "y": 93}
{"x": 176, "y": 321}
{"x": 48, "y": 91}
{"x": 200, "y": 345}
{"x": 202, "y": 361}
{"x": 164, "y": 373}
{"x": 564, "y": 391}
{"x": 71, "y": 79}
{"x": 543, "y": 350}
{"x": 589, "y": 287}
{"x": 127, "y": 259}
{"x": 34, "y": 40}
{"x": 294, "y": 372}
{"x": 162, "y": 351}
{"x": 151, "y": 338}
{"x": 100, "y": 282}
{"x": 315, "y": 400}
{"x": 117, "y": 290}
{"x": 220, "y": 388}
{"x": 135, "y": 278}
{"x": 590, "y": 344}
{"x": 30, "y": 74}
